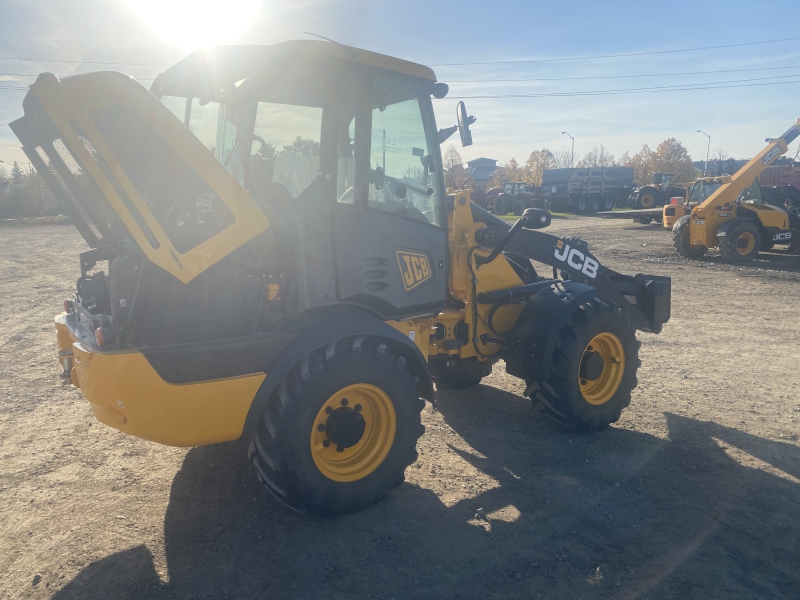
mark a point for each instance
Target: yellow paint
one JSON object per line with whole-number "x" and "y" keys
{"x": 770, "y": 216}
{"x": 77, "y": 96}
{"x": 418, "y": 330}
{"x": 358, "y": 461}
{"x": 494, "y": 276}
{"x": 602, "y": 389}
{"x": 126, "y": 393}
{"x": 707, "y": 217}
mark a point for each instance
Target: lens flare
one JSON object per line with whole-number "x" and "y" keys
{"x": 193, "y": 24}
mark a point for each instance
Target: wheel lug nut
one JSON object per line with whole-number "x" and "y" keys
{"x": 340, "y": 448}
{"x": 357, "y": 408}
{"x": 345, "y": 402}
{"x": 326, "y": 443}
{"x": 321, "y": 427}
{"x": 329, "y": 410}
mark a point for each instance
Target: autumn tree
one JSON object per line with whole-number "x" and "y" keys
{"x": 643, "y": 163}
{"x": 562, "y": 158}
{"x": 537, "y": 162}
{"x": 673, "y": 157}
{"x": 456, "y": 177}
{"x": 599, "y": 156}
{"x": 509, "y": 172}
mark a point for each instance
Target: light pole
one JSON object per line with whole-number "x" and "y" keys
{"x": 572, "y": 157}
{"x": 708, "y": 150}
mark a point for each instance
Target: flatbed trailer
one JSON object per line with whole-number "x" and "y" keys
{"x": 645, "y": 216}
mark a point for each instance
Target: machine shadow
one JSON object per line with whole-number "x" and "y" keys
{"x": 572, "y": 515}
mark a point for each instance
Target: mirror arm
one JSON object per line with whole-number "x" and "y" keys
{"x": 444, "y": 134}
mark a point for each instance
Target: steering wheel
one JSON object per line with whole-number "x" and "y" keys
{"x": 260, "y": 140}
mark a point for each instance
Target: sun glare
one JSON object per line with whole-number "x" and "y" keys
{"x": 193, "y": 24}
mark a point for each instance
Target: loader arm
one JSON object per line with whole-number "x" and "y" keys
{"x": 645, "y": 298}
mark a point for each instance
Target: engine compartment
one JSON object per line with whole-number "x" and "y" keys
{"x": 138, "y": 304}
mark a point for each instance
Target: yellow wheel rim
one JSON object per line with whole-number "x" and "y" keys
{"x": 745, "y": 243}
{"x": 648, "y": 201}
{"x": 599, "y": 381}
{"x": 339, "y": 422}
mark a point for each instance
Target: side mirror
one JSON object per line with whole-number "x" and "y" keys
{"x": 464, "y": 122}
{"x": 536, "y": 218}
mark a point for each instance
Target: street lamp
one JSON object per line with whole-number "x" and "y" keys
{"x": 572, "y": 158}
{"x": 705, "y": 167}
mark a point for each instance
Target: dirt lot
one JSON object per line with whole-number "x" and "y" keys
{"x": 695, "y": 493}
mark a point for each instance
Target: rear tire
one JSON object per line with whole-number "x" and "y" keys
{"x": 647, "y": 200}
{"x": 608, "y": 204}
{"x": 742, "y": 242}
{"x": 572, "y": 399}
{"x": 461, "y": 374}
{"x": 500, "y": 207}
{"x": 311, "y": 477}
{"x": 594, "y": 204}
{"x": 681, "y": 241}
{"x": 580, "y": 205}
{"x": 518, "y": 208}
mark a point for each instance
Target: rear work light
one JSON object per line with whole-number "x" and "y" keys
{"x": 99, "y": 337}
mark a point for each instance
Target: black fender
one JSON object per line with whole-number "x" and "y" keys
{"x": 726, "y": 226}
{"x": 320, "y": 327}
{"x": 532, "y": 340}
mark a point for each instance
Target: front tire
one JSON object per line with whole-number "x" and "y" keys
{"x": 681, "y": 240}
{"x": 742, "y": 242}
{"x": 518, "y": 208}
{"x": 500, "y": 207}
{"x": 340, "y": 430}
{"x": 594, "y": 368}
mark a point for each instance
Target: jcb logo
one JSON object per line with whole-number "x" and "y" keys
{"x": 782, "y": 237}
{"x": 414, "y": 268}
{"x": 770, "y": 155}
{"x": 576, "y": 259}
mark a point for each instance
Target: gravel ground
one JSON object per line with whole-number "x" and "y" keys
{"x": 694, "y": 493}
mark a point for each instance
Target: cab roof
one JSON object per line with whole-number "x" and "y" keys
{"x": 205, "y": 72}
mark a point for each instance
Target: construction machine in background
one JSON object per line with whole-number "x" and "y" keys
{"x": 586, "y": 189}
{"x": 515, "y": 198}
{"x": 734, "y": 217}
{"x": 659, "y": 192}
{"x": 285, "y": 265}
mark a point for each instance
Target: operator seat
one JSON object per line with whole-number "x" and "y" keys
{"x": 265, "y": 191}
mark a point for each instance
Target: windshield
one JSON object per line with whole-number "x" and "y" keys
{"x": 702, "y": 190}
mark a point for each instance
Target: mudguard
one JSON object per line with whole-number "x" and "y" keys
{"x": 320, "y": 327}
{"x": 532, "y": 340}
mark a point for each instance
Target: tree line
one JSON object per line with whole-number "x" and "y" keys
{"x": 24, "y": 194}
{"x": 670, "y": 156}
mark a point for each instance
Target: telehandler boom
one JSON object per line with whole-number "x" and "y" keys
{"x": 735, "y": 218}
{"x": 284, "y": 264}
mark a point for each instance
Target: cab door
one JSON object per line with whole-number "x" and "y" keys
{"x": 128, "y": 168}
{"x": 390, "y": 235}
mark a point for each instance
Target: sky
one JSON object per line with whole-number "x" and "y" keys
{"x": 758, "y": 93}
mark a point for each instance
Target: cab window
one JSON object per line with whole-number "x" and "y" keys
{"x": 403, "y": 151}
{"x": 751, "y": 195}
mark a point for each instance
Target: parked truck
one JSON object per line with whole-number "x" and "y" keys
{"x": 587, "y": 189}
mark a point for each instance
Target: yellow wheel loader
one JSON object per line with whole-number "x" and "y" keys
{"x": 284, "y": 265}
{"x": 734, "y": 217}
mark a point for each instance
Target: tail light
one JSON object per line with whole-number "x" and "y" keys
{"x": 674, "y": 200}
{"x": 99, "y": 337}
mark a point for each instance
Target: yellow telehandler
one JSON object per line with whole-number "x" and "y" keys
{"x": 734, "y": 216}
{"x": 284, "y": 265}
